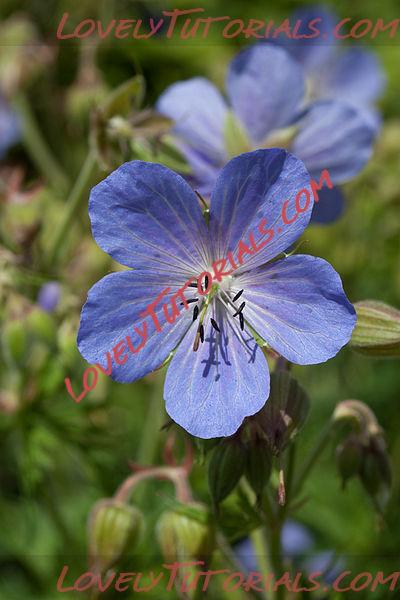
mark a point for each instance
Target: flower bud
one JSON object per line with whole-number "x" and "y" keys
{"x": 258, "y": 465}
{"x": 14, "y": 340}
{"x": 358, "y": 416}
{"x": 42, "y": 325}
{"x": 114, "y": 528}
{"x": 184, "y": 536}
{"x": 284, "y": 412}
{"x": 226, "y": 467}
{"x": 377, "y": 332}
{"x": 349, "y": 457}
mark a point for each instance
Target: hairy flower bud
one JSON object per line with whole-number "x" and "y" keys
{"x": 258, "y": 465}
{"x": 185, "y": 535}
{"x": 377, "y": 332}
{"x": 285, "y": 411}
{"x": 113, "y": 529}
{"x": 226, "y": 467}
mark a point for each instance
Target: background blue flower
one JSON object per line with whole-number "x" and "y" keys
{"x": 266, "y": 90}
{"x": 148, "y": 218}
{"x": 9, "y": 127}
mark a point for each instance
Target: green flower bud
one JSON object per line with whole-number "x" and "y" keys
{"x": 113, "y": 529}
{"x": 14, "y": 340}
{"x": 226, "y": 467}
{"x": 258, "y": 465}
{"x": 284, "y": 412}
{"x": 377, "y": 332}
{"x": 184, "y": 537}
{"x": 349, "y": 458}
{"x": 42, "y": 325}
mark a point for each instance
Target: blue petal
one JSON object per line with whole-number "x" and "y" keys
{"x": 111, "y": 312}
{"x": 312, "y": 52}
{"x": 335, "y": 136}
{"x": 355, "y": 75}
{"x": 147, "y": 217}
{"x": 299, "y": 307}
{"x": 204, "y": 171}
{"x": 251, "y": 187}
{"x": 265, "y": 87}
{"x": 199, "y": 112}
{"x": 211, "y": 391}
{"x": 329, "y": 207}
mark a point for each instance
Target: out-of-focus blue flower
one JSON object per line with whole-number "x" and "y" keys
{"x": 354, "y": 75}
{"x": 266, "y": 89}
{"x": 327, "y": 563}
{"x": 148, "y": 218}
{"x": 49, "y": 296}
{"x": 9, "y": 127}
{"x": 296, "y": 538}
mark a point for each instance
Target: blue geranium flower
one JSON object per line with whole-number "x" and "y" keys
{"x": 9, "y": 127}
{"x": 354, "y": 75}
{"x": 49, "y": 296}
{"x": 148, "y": 218}
{"x": 266, "y": 89}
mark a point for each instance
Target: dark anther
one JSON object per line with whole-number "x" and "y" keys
{"x": 190, "y": 301}
{"x": 238, "y": 296}
{"x": 215, "y": 325}
{"x": 239, "y": 310}
{"x": 206, "y": 282}
{"x": 241, "y": 319}
{"x": 193, "y": 285}
{"x": 201, "y": 331}
{"x": 195, "y": 312}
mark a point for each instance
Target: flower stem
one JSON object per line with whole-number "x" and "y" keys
{"x": 72, "y": 203}
{"x": 37, "y": 147}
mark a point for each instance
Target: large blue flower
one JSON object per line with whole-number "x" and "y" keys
{"x": 266, "y": 90}
{"x": 148, "y": 218}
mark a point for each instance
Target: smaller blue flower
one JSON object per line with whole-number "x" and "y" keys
{"x": 267, "y": 96}
{"x": 49, "y": 296}
{"x": 149, "y": 219}
{"x": 9, "y": 127}
{"x": 354, "y": 74}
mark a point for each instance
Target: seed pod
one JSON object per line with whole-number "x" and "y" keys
{"x": 349, "y": 458}
{"x": 113, "y": 529}
{"x": 258, "y": 465}
{"x": 226, "y": 466}
{"x": 377, "y": 332}
{"x": 184, "y": 537}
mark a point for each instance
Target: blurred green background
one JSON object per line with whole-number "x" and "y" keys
{"x": 57, "y": 457}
